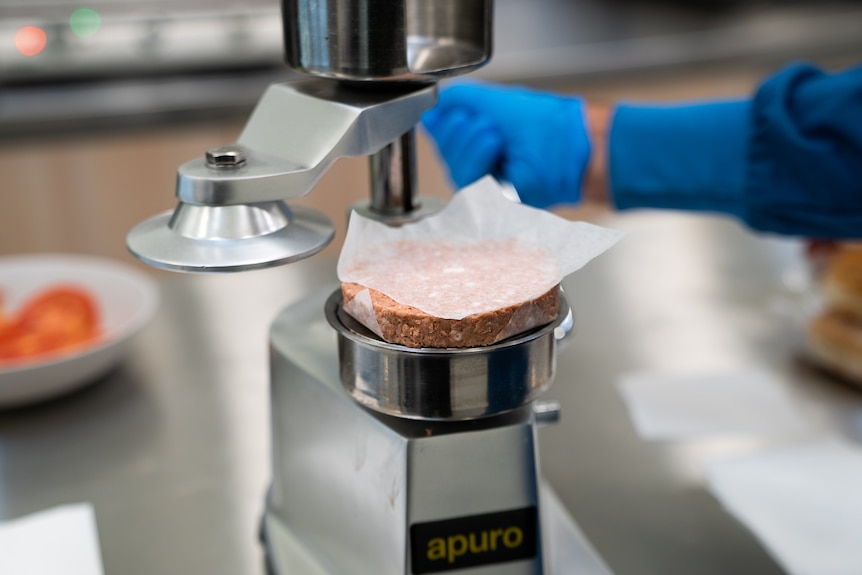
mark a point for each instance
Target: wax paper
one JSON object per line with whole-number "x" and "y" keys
{"x": 540, "y": 250}
{"x": 740, "y": 402}
{"x": 62, "y": 540}
{"x": 802, "y": 501}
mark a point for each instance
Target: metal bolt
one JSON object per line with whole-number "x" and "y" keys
{"x": 225, "y": 157}
{"x": 546, "y": 412}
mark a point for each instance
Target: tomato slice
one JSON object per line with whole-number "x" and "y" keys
{"x": 56, "y": 319}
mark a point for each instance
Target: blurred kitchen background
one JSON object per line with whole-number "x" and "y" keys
{"x": 101, "y": 101}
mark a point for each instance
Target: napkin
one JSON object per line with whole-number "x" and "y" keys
{"x": 803, "y": 502}
{"x": 683, "y": 406}
{"x": 59, "y": 541}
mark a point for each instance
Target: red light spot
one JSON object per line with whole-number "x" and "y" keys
{"x": 30, "y": 40}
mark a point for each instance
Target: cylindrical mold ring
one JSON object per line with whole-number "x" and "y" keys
{"x": 443, "y": 384}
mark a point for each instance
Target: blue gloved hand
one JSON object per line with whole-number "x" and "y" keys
{"x": 534, "y": 140}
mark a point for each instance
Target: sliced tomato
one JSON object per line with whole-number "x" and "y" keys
{"x": 63, "y": 312}
{"x": 56, "y": 319}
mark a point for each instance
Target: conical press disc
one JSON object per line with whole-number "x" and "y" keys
{"x": 156, "y": 243}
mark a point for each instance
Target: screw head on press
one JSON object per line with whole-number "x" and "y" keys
{"x": 230, "y": 157}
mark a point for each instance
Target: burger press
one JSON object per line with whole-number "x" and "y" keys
{"x": 386, "y": 460}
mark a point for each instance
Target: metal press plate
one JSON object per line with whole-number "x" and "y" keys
{"x": 443, "y": 383}
{"x": 157, "y": 244}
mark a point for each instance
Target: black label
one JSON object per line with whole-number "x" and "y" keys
{"x": 473, "y": 541}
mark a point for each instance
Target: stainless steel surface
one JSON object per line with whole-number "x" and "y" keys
{"x": 423, "y": 206}
{"x": 349, "y": 484}
{"x": 393, "y": 177}
{"x": 546, "y": 412}
{"x": 566, "y": 328}
{"x": 387, "y": 40}
{"x": 230, "y": 222}
{"x": 568, "y": 550}
{"x": 296, "y": 131}
{"x": 229, "y": 238}
{"x": 443, "y": 384}
{"x": 173, "y": 448}
{"x": 320, "y": 439}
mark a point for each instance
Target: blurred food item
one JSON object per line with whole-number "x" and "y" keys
{"x": 51, "y": 322}
{"x": 835, "y": 343}
{"x": 834, "y": 336}
{"x": 842, "y": 281}
{"x": 819, "y": 253}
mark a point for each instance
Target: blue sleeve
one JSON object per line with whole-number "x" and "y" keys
{"x": 787, "y": 161}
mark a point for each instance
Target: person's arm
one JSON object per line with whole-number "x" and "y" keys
{"x": 787, "y": 161}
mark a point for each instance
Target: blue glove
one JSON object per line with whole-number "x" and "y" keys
{"x": 536, "y": 141}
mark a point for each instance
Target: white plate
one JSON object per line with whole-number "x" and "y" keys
{"x": 127, "y": 300}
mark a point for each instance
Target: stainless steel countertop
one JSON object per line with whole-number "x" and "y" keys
{"x": 172, "y": 448}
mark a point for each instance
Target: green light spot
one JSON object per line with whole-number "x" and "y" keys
{"x": 84, "y": 22}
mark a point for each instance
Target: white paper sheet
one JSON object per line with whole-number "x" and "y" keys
{"x": 59, "y": 541}
{"x": 804, "y": 503}
{"x": 684, "y": 406}
{"x": 476, "y": 214}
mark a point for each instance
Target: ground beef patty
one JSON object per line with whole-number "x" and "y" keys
{"x": 411, "y": 327}
{"x": 439, "y": 293}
